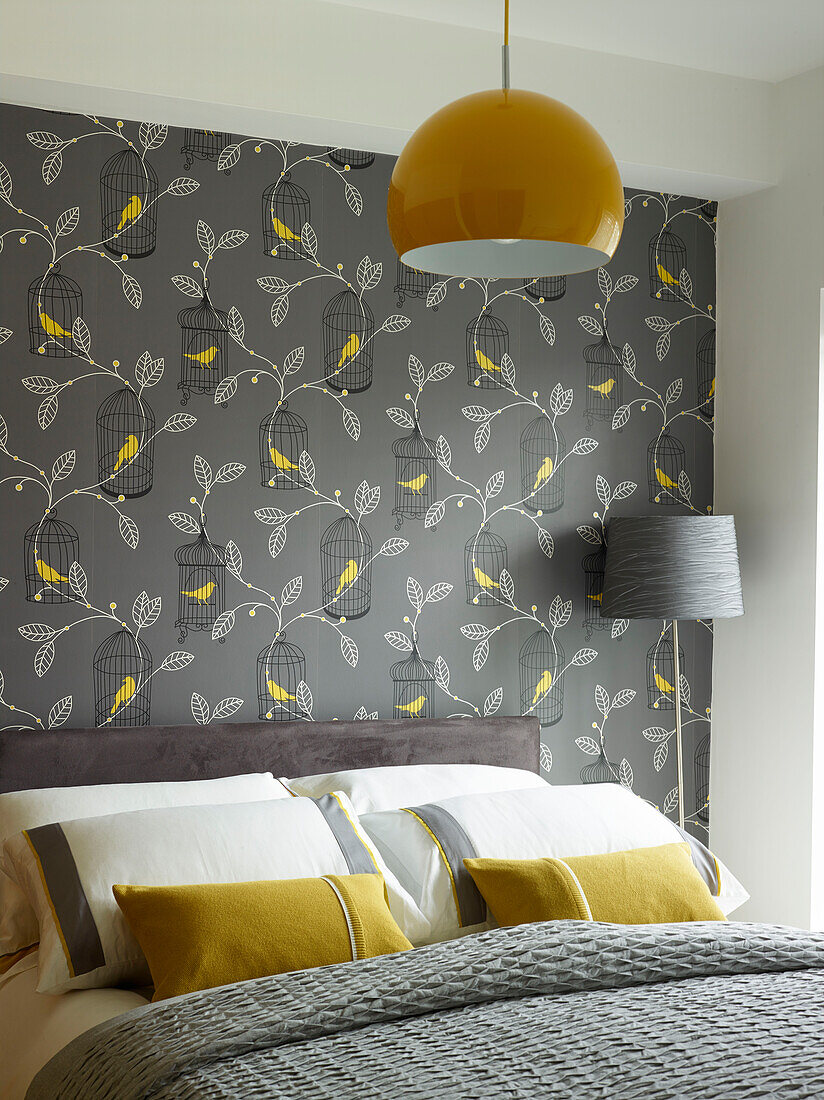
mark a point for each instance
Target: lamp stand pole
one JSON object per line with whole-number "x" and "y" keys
{"x": 679, "y": 748}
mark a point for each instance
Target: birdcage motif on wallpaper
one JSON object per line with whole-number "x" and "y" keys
{"x": 415, "y": 476}
{"x": 122, "y": 681}
{"x": 203, "y": 145}
{"x": 346, "y": 569}
{"x": 541, "y": 664}
{"x": 281, "y": 667}
{"x": 599, "y": 770}
{"x": 348, "y": 328}
{"x": 604, "y": 377}
{"x": 413, "y": 283}
{"x": 125, "y": 444}
{"x": 702, "y": 780}
{"x": 55, "y": 302}
{"x": 665, "y": 461}
{"x": 204, "y": 348}
{"x": 485, "y": 557}
{"x": 548, "y": 288}
{"x": 285, "y": 209}
{"x": 51, "y": 547}
{"x": 413, "y": 686}
{"x": 201, "y": 580}
{"x": 593, "y": 565}
{"x": 128, "y": 203}
{"x": 705, "y": 370}
{"x": 542, "y": 469}
{"x": 487, "y": 341}
{"x": 284, "y": 436}
{"x": 709, "y": 211}
{"x": 661, "y": 674}
{"x": 667, "y": 259}
{"x": 353, "y": 158}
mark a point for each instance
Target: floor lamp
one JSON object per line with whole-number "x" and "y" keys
{"x": 672, "y": 567}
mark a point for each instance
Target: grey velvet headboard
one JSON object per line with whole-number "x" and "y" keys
{"x": 74, "y": 757}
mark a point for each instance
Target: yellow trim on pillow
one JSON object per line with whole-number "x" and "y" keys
{"x": 62, "y": 938}
{"x": 406, "y": 810}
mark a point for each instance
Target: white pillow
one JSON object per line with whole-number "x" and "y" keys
{"x": 373, "y": 789}
{"x": 27, "y": 809}
{"x": 425, "y": 848}
{"x": 67, "y": 871}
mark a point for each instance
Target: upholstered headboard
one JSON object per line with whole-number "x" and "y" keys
{"x": 73, "y": 757}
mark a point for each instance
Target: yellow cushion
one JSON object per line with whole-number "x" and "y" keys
{"x": 197, "y": 937}
{"x": 642, "y": 886}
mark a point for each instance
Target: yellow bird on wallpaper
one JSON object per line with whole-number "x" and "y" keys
{"x": 484, "y": 362}
{"x": 596, "y": 599}
{"x": 544, "y": 473}
{"x": 279, "y": 694}
{"x": 416, "y": 484}
{"x": 124, "y": 694}
{"x": 347, "y": 576}
{"x": 605, "y": 388}
{"x": 52, "y": 327}
{"x": 483, "y": 580}
{"x": 281, "y": 461}
{"x": 664, "y": 480}
{"x": 665, "y": 276}
{"x": 350, "y": 349}
{"x": 283, "y": 231}
{"x": 130, "y": 211}
{"x": 49, "y": 575}
{"x": 203, "y": 357}
{"x": 201, "y": 594}
{"x": 413, "y": 708}
{"x": 663, "y": 686}
{"x": 126, "y": 452}
{"x": 712, "y": 390}
{"x": 543, "y": 686}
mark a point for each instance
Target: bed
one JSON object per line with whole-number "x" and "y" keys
{"x": 555, "y": 1009}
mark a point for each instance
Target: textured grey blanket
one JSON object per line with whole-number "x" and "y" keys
{"x": 562, "y": 1009}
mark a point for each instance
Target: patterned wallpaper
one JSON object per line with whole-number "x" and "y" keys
{"x": 252, "y": 465}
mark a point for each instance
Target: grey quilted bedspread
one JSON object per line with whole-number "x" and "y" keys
{"x": 562, "y": 1009}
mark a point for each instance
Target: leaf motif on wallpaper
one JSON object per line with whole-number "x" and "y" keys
{"x": 271, "y": 515}
{"x": 476, "y": 413}
{"x": 351, "y": 422}
{"x": 273, "y": 285}
{"x": 205, "y": 238}
{"x": 234, "y": 558}
{"x": 400, "y": 417}
{"x": 44, "y": 139}
{"x": 508, "y": 369}
{"x": 588, "y": 745}
{"x": 148, "y": 371}
{"x": 229, "y": 471}
{"x": 226, "y": 390}
{"x": 177, "y": 660}
{"x": 439, "y": 372}
{"x": 623, "y": 490}
{"x": 507, "y": 585}
{"x": 591, "y": 325}
{"x": 560, "y": 400}
{"x": 145, "y": 610}
{"x": 183, "y": 185}
{"x": 280, "y": 307}
{"x": 291, "y": 591}
{"x": 184, "y": 522}
{"x": 475, "y": 630}
{"x": 4, "y": 431}
{"x": 227, "y": 707}
{"x": 621, "y": 417}
{"x": 63, "y": 466}
{"x": 545, "y": 757}
{"x": 200, "y": 709}
{"x": 304, "y": 697}
{"x": 129, "y": 531}
{"x": 43, "y": 658}
{"x": 604, "y": 282}
{"x": 78, "y": 580}
{"x": 60, "y": 712}
{"x": 493, "y": 701}
{"x": 585, "y": 446}
{"x": 309, "y": 241}
{"x": 188, "y": 286}
{"x": 437, "y": 293}
{"x": 656, "y": 734}
{"x": 47, "y": 411}
{"x": 396, "y": 322}
{"x": 685, "y": 690}
{"x": 625, "y": 773}
{"x": 442, "y": 674}
{"x": 369, "y": 274}
{"x": 223, "y": 624}
{"x": 414, "y": 593}
{"x": 179, "y": 422}
{"x": 3, "y": 582}
{"x": 684, "y": 486}
{"x": 480, "y": 654}
{"x": 662, "y": 345}
{"x": 546, "y": 542}
{"x": 52, "y": 167}
{"x": 671, "y": 801}
{"x": 443, "y": 452}
{"x": 393, "y": 546}
{"x": 232, "y": 238}
{"x": 601, "y": 699}
{"x": 628, "y": 360}
{"x": 659, "y": 757}
{"x": 152, "y": 135}
{"x": 67, "y": 222}
{"x": 584, "y": 656}
{"x": 40, "y": 383}
{"x": 349, "y": 650}
{"x": 674, "y": 390}
{"x": 602, "y": 489}
{"x": 81, "y": 336}
{"x": 438, "y": 592}
{"x": 5, "y": 333}
{"x": 416, "y": 371}
{"x": 434, "y": 514}
{"x": 625, "y": 283}
{"x": 482, "y": 434}
{"x": 5, "y": 181}
{"x": 494, "y": 485}
{"x": 277, "y": 541}
{"x": 685, "y": 283}
{"x": 37, "y": 632}
{"x": 203, "y": 472}
{"x": 399, "y": 641}
{"x": 590, "y": 534}
{"x": 547, "y": 329}
{"x": 228, "y": 158}
{"x": 658, "y": 324}
{"x": 353, "y": 198}
{"x": 294, "y": 360}
{"x": 132, "y": 290}
{"x": 366, "y": 498}
{"x": 618, "y": 627}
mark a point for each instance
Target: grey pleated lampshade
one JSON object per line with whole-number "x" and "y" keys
{"x": 672, "y": 567}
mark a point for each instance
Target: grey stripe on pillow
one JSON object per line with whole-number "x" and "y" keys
{"x": 358, "y": 858}
{"x": 704, "y": 860}
{"x": 456, "y": 847}
{"x": 71, "y": 908}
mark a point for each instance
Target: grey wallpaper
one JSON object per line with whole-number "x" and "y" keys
{"x": 252, "y": 465}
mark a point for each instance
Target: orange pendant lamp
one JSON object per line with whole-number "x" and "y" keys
{"x": 505, "y": 184}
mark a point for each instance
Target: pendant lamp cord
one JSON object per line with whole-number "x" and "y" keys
{"x": 505, "y": 49}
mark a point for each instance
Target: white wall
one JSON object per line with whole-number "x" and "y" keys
{"x": 330, "y": 73}
{"x": 765, "y": 772}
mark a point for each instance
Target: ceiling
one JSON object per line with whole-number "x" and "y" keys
{"x": 759, "y": 39}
